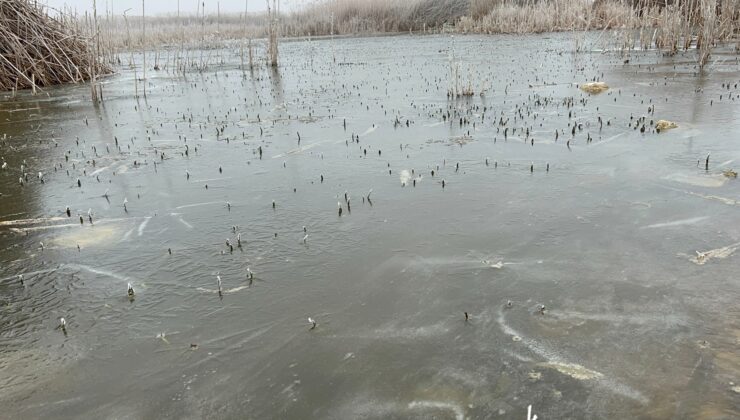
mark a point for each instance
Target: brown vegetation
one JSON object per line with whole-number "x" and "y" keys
{"x": 40, "y": 50}
{"x": 37, "y": 50}
{"x": 670, "y": 25}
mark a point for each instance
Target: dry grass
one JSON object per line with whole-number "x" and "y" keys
{"x": 643, "y": 23}
{"x": 511, "y": 16}
{"x": 339, "y": 17}
{"x": 647, "y": 24}
{"x": 39, "y": 50}
{"x": 362, "y": 16}
{"x": 682, "y": 26}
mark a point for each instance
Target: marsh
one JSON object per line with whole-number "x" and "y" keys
{"x": 600, "y": 223}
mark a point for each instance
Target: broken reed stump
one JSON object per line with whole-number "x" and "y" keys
{"x": 38, "y": 50}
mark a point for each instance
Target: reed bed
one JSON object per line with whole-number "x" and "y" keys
{"x": 668, "y": 25}
{"x": 363, "y": 16}
{"x": 38, "y": 50}
{"x": 338, "y": 17}
{"x": 511, "y": 16}
{"x": 124, "y": 34}
{"x": 41, "y": 49}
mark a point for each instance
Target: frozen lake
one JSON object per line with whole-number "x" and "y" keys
{"x": 476, "y": 201}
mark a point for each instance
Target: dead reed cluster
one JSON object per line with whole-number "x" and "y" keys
{"x": 533, "y": 16}
{"x": 39, "y": 50}
{"x": 362, "y": 16}
{"x": 682, "y": 26}
{"x": 666, "y": 24}
{"x": 121, "y": 33}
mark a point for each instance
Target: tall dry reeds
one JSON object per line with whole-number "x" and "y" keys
{"x": 39, "y": 50}
{"x": 363, "y": 16}
{"x": 668, "y": 25}
{"x": 708, "y": 30}
{"x": 688, "y": 24}
{"x": 535, "y": 16}
{"x": 189, "y": 29}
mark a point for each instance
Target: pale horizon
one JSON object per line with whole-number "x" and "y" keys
{"x": 168, "y": 7}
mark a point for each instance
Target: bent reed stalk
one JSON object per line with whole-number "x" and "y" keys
{"x": 38, "y": 50}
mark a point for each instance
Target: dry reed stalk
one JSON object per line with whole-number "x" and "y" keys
{"x": 272, "y": 31}
{"x": 94, "y": 55}
{"x": 247, "y": 37}
{"x": 39, "y": 50}
{"x": 708, "y": 30}
{"x": 143, "y": 43}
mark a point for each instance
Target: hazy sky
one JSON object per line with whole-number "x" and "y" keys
{"x": 154, "y": 7}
